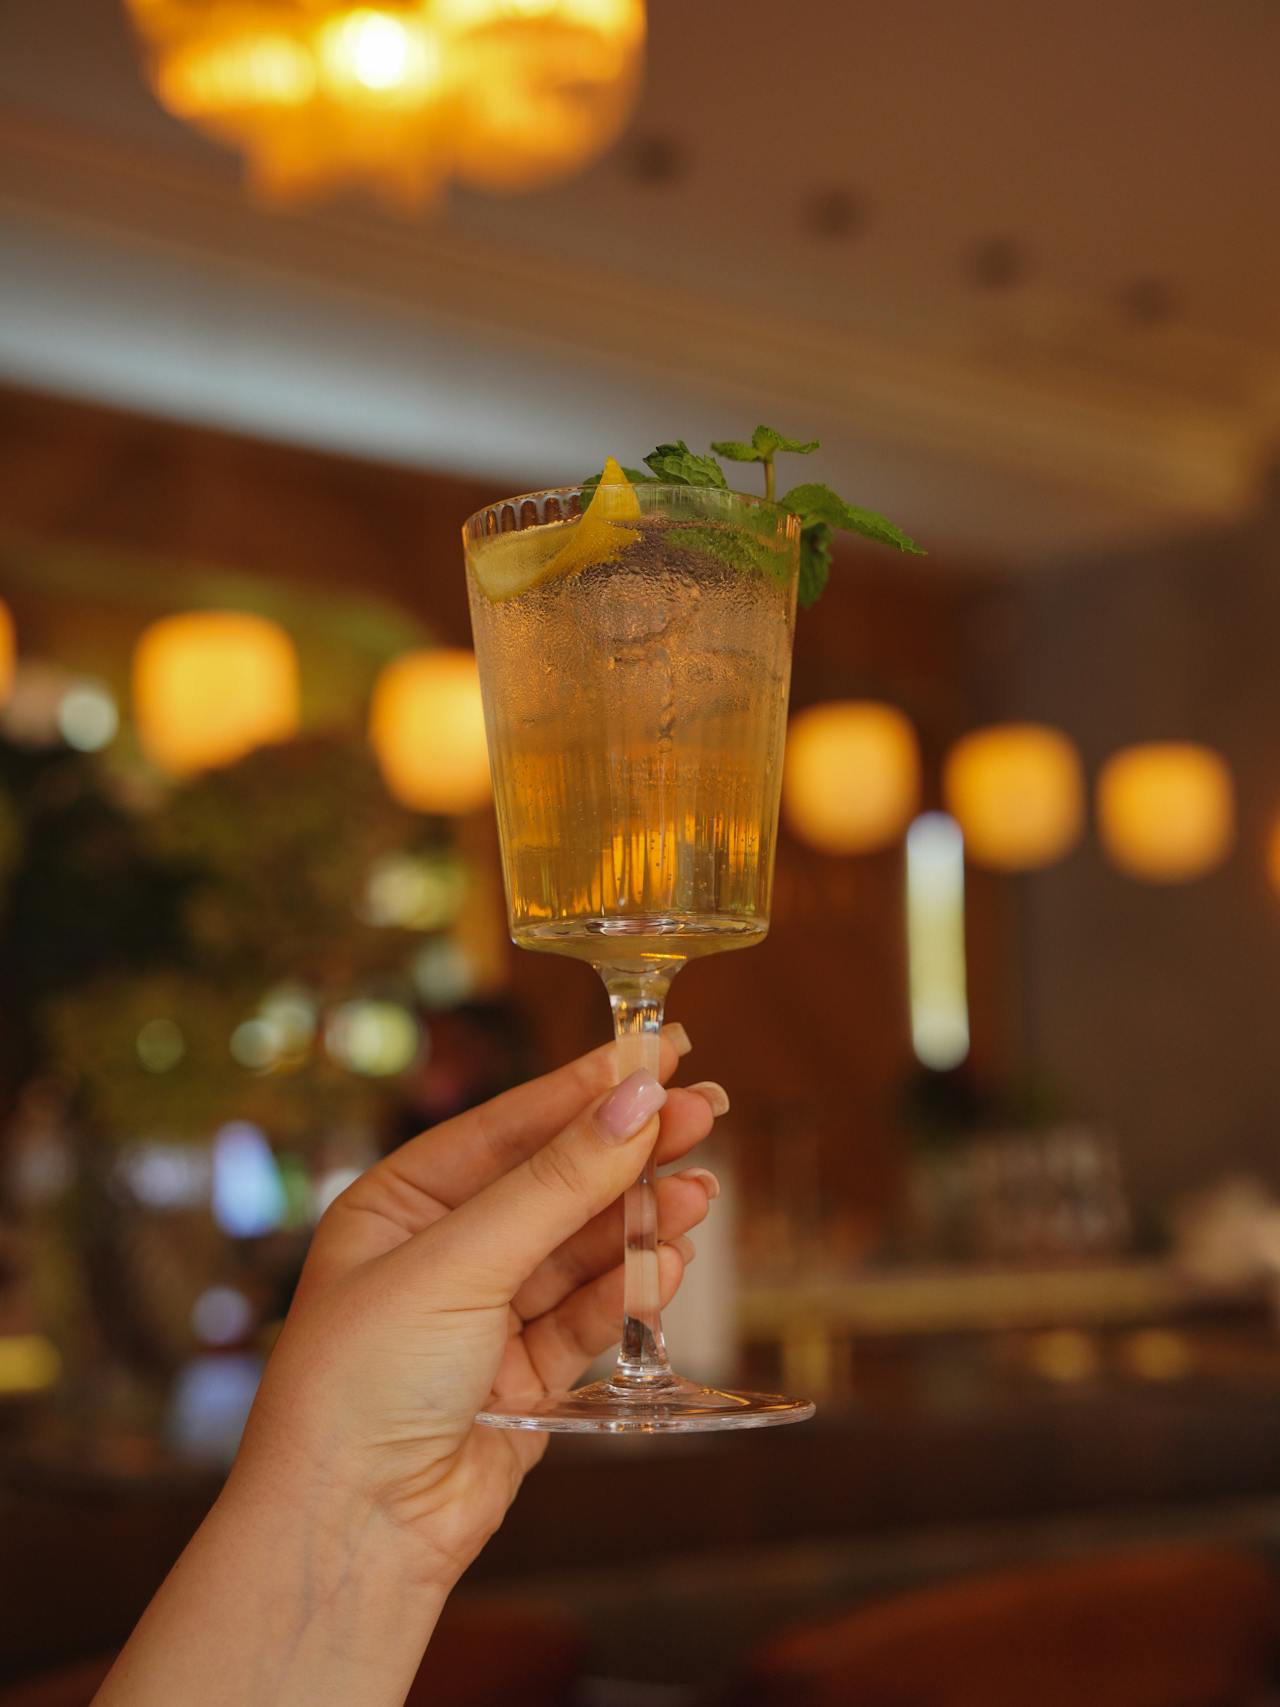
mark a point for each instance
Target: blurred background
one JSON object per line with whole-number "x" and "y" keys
{"x": 290, "y": 287}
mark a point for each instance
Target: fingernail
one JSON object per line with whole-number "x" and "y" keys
{"x": 629, "y": 1107}
{"x": 715, "y": 1094}
{"x": 676, "y": 1034}
{"x": 703, "y": 1177}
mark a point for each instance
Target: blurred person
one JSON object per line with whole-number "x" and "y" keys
{"x": 478, "y": 1258}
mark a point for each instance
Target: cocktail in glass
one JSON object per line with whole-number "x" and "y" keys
{"x": 635, "y": 651}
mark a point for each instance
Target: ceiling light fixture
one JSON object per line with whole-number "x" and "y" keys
{"x": 399, "y": 96}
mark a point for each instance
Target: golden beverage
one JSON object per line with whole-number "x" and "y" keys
{"x": 634, "y": 647}
{"x": 635, "y": 693}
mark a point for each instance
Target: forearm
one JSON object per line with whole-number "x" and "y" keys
{"x": 280, "y": 1601}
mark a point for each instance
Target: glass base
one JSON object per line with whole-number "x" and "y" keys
{"x": 677, "y": 1407}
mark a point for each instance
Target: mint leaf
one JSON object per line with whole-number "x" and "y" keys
{"x": 822, "y": 512}
{"x": 736, "y": 451}
{"x": 636, "y": 476}
{"x": 740, "y": 547}
{"x": 815, "y": 561}
{"x": 766, "y": 440}
{"x": 815, "y": 503}
{"x": 679, "y": 466}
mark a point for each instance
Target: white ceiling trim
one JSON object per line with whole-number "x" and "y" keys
{"x": 439, "y": 344}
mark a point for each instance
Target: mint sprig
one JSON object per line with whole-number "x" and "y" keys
{"x": 814, "y": 503}
{"x": 815, "y": 562}
{"x": 766, "y": 442}
{"x": 680, "y": 466}
{"x": 823, "y": 513}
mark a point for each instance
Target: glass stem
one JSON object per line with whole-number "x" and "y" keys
{"x": 637, "y": 1000}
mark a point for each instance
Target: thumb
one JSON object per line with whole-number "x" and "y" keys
{"x": 492, "y": 1243}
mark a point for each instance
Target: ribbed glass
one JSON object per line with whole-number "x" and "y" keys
{"x": 635, "y": 659}
{"x": 636, "y": 712}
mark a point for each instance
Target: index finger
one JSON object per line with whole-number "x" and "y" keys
{"x": 453, "y": 1161}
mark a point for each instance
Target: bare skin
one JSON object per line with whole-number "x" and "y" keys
{"x": 478, "y": 1259}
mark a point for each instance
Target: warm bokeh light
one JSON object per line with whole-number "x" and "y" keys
{"x": 936, "y": 961}
{"x": 548, "y": 84}
{"x": 266, "y": 71}
{"x": 1065, "y": 1355}
{"x": 256, "y": 1044}
{"x": 416, "y": 892}
{"x": 376, "y": 1038}
{"x": 1273, "y": 855}
{"x": 210, "y": 686}
{"x": 427, "y": 728}
{"x": 368, "y": 53}
{"x": 8, "y": 652}
{"x": 852, "y": 776}
{"x": 1166, "y": 810}
{"x": 291, "y": 1013}
{"x": 29, "y": 1363}
{"x": 1158, "y": 1354}
{"x": 506, "y": 94}
{"x": 1017, "y": 792}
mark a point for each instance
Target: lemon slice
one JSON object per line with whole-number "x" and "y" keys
{"x": 597, "y": 538}
{"x": 512, "y": 563}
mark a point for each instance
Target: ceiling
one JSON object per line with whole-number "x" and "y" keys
{"x": 1017, "y": 265}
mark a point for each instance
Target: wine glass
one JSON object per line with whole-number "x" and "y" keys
{"x": 635, "y": 652}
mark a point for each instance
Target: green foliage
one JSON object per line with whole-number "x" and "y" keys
{"x": 189, "y": 907}
{"x": 815, "y": 562}
{"x": 814, "y": 503}
{"x": 765, "y": 443}
{"x": 677, "y": 465}
{"x": 823, "y": 513}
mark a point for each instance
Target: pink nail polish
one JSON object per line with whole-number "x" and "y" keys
{"x": 628, "y": 1108}
{"x": 704, "y": 1177}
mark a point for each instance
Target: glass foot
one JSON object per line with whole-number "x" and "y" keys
{"x": 677, "y": 1407}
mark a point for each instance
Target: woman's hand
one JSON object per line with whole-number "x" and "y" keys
{"x": 481, "y": 1258}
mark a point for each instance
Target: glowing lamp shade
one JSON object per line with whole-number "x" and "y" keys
{"x": 210, "y": 686}
{"x": 8, "y": 652}
{"x": 1166, "y": 810}
{"x": 851, "y": 781}
{"x": 1017, "y": 792}
{"x": 548, "y": 84}
{"x": 399, "y": 96}
{"x": 426, "y": 724}
{"x": 1273, "y": 855}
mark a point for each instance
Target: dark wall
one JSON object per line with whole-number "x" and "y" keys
{"x": 1160, "y": 1006}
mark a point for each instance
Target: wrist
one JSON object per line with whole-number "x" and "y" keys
{"x": 287, "y": 1596}
{"x": 332, "y": 1507}
{"x": 303, "y": 1461}
{"x": 338, "y": 1583}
